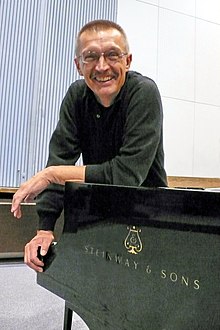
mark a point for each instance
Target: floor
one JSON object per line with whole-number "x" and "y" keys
{"x": 25, "y": 305}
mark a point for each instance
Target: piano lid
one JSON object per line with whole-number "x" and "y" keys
{"x": 181, "y": 209}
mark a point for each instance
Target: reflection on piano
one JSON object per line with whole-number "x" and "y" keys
{"x": 136, "y": 258}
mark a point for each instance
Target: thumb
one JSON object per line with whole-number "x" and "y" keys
{"x": 43, "y": 250}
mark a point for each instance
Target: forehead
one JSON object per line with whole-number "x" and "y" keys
{"x": 100, "y": 39}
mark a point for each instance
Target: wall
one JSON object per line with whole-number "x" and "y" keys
{"x": 36, "y": 68}
{"x": 177, "y": 44}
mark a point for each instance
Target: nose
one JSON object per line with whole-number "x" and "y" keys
{"x": 102, "y": 64}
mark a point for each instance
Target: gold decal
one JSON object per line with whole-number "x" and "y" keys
{"x": 135, "y": 265}
{"x": 148, "y": 270}
{"x": 173, "y": 277}
{"x": 196, "y": 285}
{"x": 133, "y": 242}
{"x": 185, "y": 281}
{"x": 118, "y": 259}
{"x": 108, "y": 256}
{"x": 176, "y": 278}
{"x": 163, "y": 273}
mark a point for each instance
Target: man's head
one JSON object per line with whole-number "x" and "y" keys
{"x": 103, "y": 58}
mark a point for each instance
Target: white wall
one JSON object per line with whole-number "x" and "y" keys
{"x": 177, "y": 43}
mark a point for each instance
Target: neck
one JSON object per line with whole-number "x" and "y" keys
{"x": 105, "y": 102}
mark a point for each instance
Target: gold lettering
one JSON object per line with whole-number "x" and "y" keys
{"x": 118, "y": 259}
{"x": 185, "y": 281}
{"x": 107, "y": 256}
{"x": 173, "y": 277}
{"x": 99, "y": 253}
{"x": 103, "y": 254}
{"x": 135, "y": 264}
{"x": 148, "y": 270}
{"x": 163, "y": 273}
{"x": 196, "y": 285}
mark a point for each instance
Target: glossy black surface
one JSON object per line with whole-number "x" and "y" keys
{"x": 182, "y": 209}
{"x": 132, "y": 258}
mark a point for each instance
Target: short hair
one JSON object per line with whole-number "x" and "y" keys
{"x": 100, "y": 25}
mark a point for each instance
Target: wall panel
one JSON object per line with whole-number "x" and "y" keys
{"x": 37, "y": 51}
{"x": 18, "y": 42}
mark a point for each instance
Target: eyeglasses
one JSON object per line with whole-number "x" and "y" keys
{"x": 110, "y": 56}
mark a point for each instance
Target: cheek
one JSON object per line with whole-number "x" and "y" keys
{"x": 87, "y": 75}
{"x": 89, "y": 81}
{"x": 122, "y": 75}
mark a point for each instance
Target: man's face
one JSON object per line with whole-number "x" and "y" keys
{"x": 104, "y": 77}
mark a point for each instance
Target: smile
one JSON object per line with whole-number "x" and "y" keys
{"x": 103, "y": 79}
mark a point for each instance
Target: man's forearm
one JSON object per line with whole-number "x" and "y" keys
{"x": 60, "y": 174}
{"x": 39, "y": 182}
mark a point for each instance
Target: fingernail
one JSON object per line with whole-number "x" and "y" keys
{"x": 43, "y": 252}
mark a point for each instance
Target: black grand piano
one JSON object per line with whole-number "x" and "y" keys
{"x": 136, "y": 258}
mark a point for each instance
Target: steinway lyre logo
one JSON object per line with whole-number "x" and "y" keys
{"x": 133, "y": 242}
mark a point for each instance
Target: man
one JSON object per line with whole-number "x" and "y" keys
{"x": 113, "y": 117}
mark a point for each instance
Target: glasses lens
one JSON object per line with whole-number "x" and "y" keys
{"x": 90, "y": 57}
{"x": 112, "y": 55}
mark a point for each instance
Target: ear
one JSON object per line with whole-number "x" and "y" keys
{"x": 77, "y": 63}
{"x": 129, "y": 60}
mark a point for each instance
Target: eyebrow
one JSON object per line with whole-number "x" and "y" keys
{"x": 99, "y": 51}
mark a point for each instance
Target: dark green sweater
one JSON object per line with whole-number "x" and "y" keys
{"x": 121, "y": 144}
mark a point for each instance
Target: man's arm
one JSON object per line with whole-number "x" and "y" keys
{"x": 53, "y": 174}
{"x": 142, "y": 145}
{"x": 142, "y": 139}
{"x": 64, "y": 149}
{"x": 44, "y": 238}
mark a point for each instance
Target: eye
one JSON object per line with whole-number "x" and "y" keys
{"x": 112, "y": 55}
{"x": 90, "y": 57}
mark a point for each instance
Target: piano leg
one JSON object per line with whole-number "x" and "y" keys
{"x": 68, "y": 315}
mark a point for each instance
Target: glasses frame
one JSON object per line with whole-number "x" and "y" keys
{"x": 105, "y": 55}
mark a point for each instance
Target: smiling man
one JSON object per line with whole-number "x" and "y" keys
{"x": 103, "y": 59}
{"x": 113, "y": 117}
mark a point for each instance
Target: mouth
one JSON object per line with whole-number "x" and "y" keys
{"x": 103, "y": 79}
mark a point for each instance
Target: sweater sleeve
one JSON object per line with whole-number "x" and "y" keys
{"x": 142, "y": 146}
{"x": 63, "y": 150}
{"x": 140, "y": 153}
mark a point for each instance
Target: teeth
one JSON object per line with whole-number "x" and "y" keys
{"x": 103, "y": 79}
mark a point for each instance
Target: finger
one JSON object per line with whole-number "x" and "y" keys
{"x": 31, "y": 259}
{"x": 44, "y": 249}
{"x": 16, "y": 204}
{"x": 23, "y": 193}
{"x": 34, "y": 265}
{"x": 16, "y": 211}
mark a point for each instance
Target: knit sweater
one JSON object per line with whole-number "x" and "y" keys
{"x": 121, "y": 144}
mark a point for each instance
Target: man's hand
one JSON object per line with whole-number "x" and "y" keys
{"x": 29, "y": 190}
{"x": 43, "y": 239}
{"x": 52, "y": 174}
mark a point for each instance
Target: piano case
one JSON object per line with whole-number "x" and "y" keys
{"x": 135, "y": 258}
